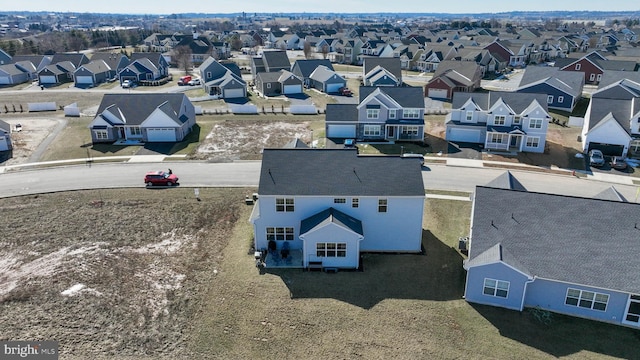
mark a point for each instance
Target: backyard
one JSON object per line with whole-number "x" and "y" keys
{"x": 186, "y": 287}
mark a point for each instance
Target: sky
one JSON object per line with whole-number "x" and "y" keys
{"x": 322, "y": 6}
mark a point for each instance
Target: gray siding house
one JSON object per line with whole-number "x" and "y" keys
{"x": 5, "y": 136}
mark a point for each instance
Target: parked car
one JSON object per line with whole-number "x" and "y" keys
{"x": 194, "y": 82}
{"x": 127, "y": 84}
{"x": 618, "y": 163}
{"x": 184, "y": 80}
{"x": 160, "y": 177}
{"x": 345, "y": 91}
{"x": 596, "y": 158}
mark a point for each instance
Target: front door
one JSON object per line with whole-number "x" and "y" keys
{"x": 632, "y": 316}
{"x": 390, "y": 132}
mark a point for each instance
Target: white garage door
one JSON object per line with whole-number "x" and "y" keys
{"x": 341, "y": 131}
{"x": 48, "y": 79}
{"x": 463, "y": 135}
{"x": 233, "y": 93}
{"x": 84, "y": 79}
{"x": 333, "y": 88}
{"x": 5, "y": 80}
{"x": 292, "y": 89}
{"x": 438, "y": 93}
{"x": 161, "y": 135}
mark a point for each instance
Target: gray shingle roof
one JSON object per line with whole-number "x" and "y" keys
{"x": 137, "y": 107}
{"x": 393, "y": 65}
{"x": 325, "y": 172}
{"x": 517, "y": 101}
{"x": 506, "y": 181}
{"x": 276, "y": 60}
{"x": 406, "y": 96}
{"x": 328, "y": 216}
{"x": 580, "y": 240}
{"x": 341, "y": 112}
{"x": 307, "y": 66}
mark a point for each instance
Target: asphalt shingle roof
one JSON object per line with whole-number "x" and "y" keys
{"x": 406, "y": 96}
{"x": 328, "y": 216}
{"x": 517, "y": 101}
{"x": 137, "y": 107}
{"x": 579, "y": 240}
{"x": 342, "y": 112}
{"x": 325, "y": 172}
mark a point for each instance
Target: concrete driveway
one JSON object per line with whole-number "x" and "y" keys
{"x": 464, "y": 151}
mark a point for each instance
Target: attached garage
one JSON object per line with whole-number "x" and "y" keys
{"x": 437, "y": 93}
{"x": 292, "y": 89}
{"x": 84, "y": 80}
{"x": 341, "y": 131}
{"x": 3, "y": 143}
{"x": 334, "y": 88}
{"x": 233, "y": 93}
{"x": 5, "y": 80}
{"x": 48, "y": 79}
{"x": 607, "y": 149}
{"x": 464, "y": 135}
{"x": 161, "y": 135}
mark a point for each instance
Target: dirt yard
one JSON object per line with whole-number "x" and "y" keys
{"x": 34, "y": 132}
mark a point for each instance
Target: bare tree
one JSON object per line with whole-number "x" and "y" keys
{"x": 181, "y": 57}
{"x": 325, "y": 51}
{"x": 306, "y": 50}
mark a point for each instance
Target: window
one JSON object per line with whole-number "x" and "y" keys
{"x": 535, "y": 124}
{"x": 284, "y": 205}
{"x": 331, "y": 249}
{"x": 280, "y": 233}
{"x": 101, "y": 134}
{"x": 517, "y": 119}
{"x": 373, "y": 113}
{"x": 599, "y": 77}
{"x": 587, "y": 299}
{"x": 578, "y": 67}
{"x": 497, "y": 138}
{"x": 560, "y": 99}
{"x": 339, "y": 200}
{"x": 550, "y": 99}
{"x": 135, "y": 130}
{"x": 409, "y": 130}
{"x": 496, "y": 288}
{"x": 208, "y": 74}
{"x": 382, "y": 205}
{"x": 392, "y": 114}
{"x": 499, "y": 120}
{"x": 411, "y": 113}
{"x": 533, "y": 141}
{"x": 268, "y": 85}
{"x": 469, "y": 116}
{"x": 592, "y": 77}
{"x": 355, "y": 202}
{"x": 372, "y": 130}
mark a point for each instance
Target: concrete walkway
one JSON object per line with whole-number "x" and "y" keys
{"x": 131, "y": 159}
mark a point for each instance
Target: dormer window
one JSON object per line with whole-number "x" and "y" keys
{"x": 499, "y": 120}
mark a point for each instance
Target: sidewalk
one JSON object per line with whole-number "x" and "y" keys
{"x": 131, "y": 158}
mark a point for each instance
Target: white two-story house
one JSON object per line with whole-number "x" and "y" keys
{"x": 321, "y": 208}
{"x": 499, "y": 120}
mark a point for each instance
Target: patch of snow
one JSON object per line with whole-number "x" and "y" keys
{"x": 79, "y": 288}
{"x": 579, "y": 156}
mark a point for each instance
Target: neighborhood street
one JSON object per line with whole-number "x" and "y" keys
{"x": 246, "y": 174}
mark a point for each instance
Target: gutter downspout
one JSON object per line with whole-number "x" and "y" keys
{"x": 524, "y": 292}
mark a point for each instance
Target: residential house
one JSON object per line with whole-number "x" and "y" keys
{"x": 563, "y": 88}
{"x": 222, "y": 79}
{"x": 145, "y": 67}
{"x": 115, "y": 61}
{"x": 326, "y": 80}
{"x": 5, "y": 58}
{"x": 453, "y": 76}
{"x": 56, "y": 73}
{"x": 141, "y": 118}
{"x": 381, "y": 71}
{"x": 38, "y": 62}
{"x": 521, "y": 255}
{"x": 501, "y": 55}
{"x": 499, "y": 120}
{"x": 383, "y": 114}
{"x": 5, "y": 136}
{"x": 612, "y": 120}
{"x": 270, "y": 61}
{"x": 593, "y": 65}
{"x": 304, "y": 68}
{"x": 278, "y": 83}
{"x": 93, "y": 74}
{"x": 322, "y": 208}
{"x": 11, "y": 74}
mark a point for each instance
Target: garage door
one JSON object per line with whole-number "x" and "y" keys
{"x": 233, "y": 93}
{"x": 48, "y": 79}
{"x": 5, "y": 80}
{"x": 341, "y": 131}
{"x": 607, "y": 149}
{"x": 438, "y": 93}
{"x": 292, "y": 89}
{"x": 84, "y": 79}
{"x": 161, "y": 135}
{"x": 463, "y": 135}
{"x": 334, "y": 88}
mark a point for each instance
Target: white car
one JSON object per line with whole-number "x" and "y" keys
{"x": 127, "y": 84}
{"x": 194, "y": 82}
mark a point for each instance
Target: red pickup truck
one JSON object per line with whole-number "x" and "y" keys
{"x": 345, "y": 91}
{"x": 184, "y": 80}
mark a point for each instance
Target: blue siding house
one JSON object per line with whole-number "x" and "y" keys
{"x": 562, "y": 88}
{"x": 555, "y": 253}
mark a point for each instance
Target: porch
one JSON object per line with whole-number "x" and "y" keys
{"x": 274, "y": 259}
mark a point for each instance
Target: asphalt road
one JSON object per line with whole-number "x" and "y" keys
{"x": 246, "y": 174}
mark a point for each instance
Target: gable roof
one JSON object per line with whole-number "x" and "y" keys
{"x": 112, "y": 59}
{"x": 610, "y": 193}
{"x": 570, "y": 82}
{"x": 621, "y": 100}
{"x": 407, "y": 96}
{"x": 76, "y": 59}
{"x": 506, "y": 181}
{"x": 392, "y": 65}
{"x": 324, "y": 172}
{"x": 135, "y": 108}
{"x": 276, "y": 60}
{"x": 577, "y": 249}
{"x": 307, "y": 66}
{"x": 516, "y": 101}
{"x": 331, "y": 216}
{"x": 5, "y": 126}
{"x": 341, "y": 112}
